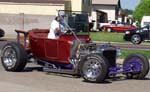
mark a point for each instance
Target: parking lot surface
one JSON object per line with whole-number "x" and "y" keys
{"x": 32, "y": 79}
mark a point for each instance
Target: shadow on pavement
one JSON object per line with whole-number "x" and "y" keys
{"x": 30, "y": 69}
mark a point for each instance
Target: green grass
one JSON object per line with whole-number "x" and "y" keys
{"x": 108, "y": 37}
{"x": 125, "y": 53}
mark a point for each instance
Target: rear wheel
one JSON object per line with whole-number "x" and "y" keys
{"x": 94, "y": 68}
{"x": 138, "y": 65}
{"x": 136, "y": 39}
{"x": 13, "y": 57}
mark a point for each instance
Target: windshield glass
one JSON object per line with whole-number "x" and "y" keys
{"x": 75, "y": 21}
{"x": 147, "y": 27}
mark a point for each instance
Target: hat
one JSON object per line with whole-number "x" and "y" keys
{"x": 61, "y": 13}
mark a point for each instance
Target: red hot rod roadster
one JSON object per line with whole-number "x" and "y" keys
{"x": 91, "y": 61}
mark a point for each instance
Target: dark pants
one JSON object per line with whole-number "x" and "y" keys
{"x": 90, "y": 26}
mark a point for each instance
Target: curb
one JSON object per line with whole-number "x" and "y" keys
{"x": 120, "y": 43}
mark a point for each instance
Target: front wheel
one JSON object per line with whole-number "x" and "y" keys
{"x": 136, "y": 66}
{"x": 94, "y": 68}
{"x": 13, "y": 57}
{"x": 136, "y": 39}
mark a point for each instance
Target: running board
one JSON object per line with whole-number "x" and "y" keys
{"x": 60, "y": 71}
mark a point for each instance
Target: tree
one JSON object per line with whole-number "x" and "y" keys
{"x": 128, "y": 12}
{"x": 143, "y": 9}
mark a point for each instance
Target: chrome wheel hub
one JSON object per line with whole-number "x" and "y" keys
{"x": 92, "y": 69}
{"x": 136, "y": 39}
{"x": 108, "y": 30}
{"x": 9, "y": 57}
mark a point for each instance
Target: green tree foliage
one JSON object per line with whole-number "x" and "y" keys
{"x": 128, "y": 12}
{"x": 143, "y": 9}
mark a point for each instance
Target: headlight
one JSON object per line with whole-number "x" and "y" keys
{"x": 118, "y": 52}
{"x": 127, "y": 32}
{"x": 137, "y": 31}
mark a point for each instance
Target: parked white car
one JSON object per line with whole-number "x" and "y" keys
{"x": 114, "y": 22}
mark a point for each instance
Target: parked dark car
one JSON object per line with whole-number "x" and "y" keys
{"x": 2, "y": 33}
{"x": 136, "y": 36}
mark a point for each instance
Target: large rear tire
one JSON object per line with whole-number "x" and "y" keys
{"x": 139, "y": 64}
{"x": 94, "y": 68}
{"x": 13, "y": 57}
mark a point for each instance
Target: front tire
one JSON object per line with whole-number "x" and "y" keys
{"x": 13, "y": 57}
{"x": 138, "y": 64}
{"x": 94, "y": 68}
{"x": 136, "y": 39}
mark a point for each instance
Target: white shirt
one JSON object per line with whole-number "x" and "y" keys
{"x": 90, "y": 19}
{"x": 54, "y": 25}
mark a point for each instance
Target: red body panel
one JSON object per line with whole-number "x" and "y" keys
{"x": 57, "y": 50}
{"x": 119, "y": 28}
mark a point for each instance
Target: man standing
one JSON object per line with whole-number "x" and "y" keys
{"x": 90, "y": 22}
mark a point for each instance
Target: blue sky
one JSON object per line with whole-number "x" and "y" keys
{"x": 129, "y": 4}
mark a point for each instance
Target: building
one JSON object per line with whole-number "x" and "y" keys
{"x": 29, "y": 14}
{"x": 104, "y": 10}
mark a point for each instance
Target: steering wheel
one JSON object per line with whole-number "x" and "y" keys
{"x": 68, "y": 32}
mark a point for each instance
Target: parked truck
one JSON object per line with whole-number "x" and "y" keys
{"x": 145, "y": 21}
